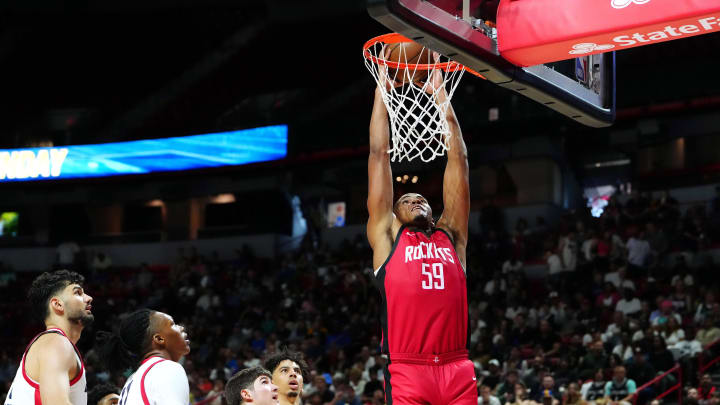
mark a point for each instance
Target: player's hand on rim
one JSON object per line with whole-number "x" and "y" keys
{"x": 435, "y": 83}
{"x": 383, "y": 72}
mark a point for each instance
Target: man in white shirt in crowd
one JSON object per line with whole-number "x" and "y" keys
{"x": 486, "y": 398}
{"x": 638, "y": 252}
{"x": 66, "y": 252}
{"x": 619, "y": 277}
{"x": 629, "y": 305}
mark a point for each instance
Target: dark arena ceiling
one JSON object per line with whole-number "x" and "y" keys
{"x": 74, "y": 72}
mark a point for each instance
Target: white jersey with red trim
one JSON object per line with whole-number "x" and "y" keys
{"x": 26, "y": 391}
{"x": 156, "y": 381}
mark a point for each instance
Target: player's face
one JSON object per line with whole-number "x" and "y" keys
{"x": 264, "y": 391}
{"x": 176, "y": 341}
{"x": 77, "y": 304}
{"x": 109, "y": 399}
{"x": 288, "y": 378}
{"x": 413, "y": 208}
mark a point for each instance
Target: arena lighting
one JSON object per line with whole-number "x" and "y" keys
{"x": 609, "y": 163}
{"x": 226, "y": 198}
{"x": 155, "y": 203}
{"x": 231, "y": 148}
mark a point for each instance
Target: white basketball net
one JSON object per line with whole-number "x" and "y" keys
{"x": 418, "y": 123}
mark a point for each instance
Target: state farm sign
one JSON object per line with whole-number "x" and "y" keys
{"x": 707, "y": 24}
{"x": 528, "y": 35}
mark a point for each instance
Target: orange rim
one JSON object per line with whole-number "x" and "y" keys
{"x": 395, "y": 38}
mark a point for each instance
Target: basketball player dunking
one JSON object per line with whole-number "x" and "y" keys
{"x": 51, "y": 370}
{"x": 420, "y": 271}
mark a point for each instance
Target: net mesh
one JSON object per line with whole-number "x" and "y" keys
{"x": 418, "y": 124}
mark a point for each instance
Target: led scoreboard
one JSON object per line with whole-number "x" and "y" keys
{"x": 145, "y": 156}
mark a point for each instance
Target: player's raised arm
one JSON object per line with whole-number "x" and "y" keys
{"x": 456, "y": 184}
{"x": 380, "y": 188}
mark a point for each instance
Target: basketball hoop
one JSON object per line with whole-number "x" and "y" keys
{"x": 417, "y": 119}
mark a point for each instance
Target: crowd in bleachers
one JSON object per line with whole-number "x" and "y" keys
{"x": 634, "y": 288}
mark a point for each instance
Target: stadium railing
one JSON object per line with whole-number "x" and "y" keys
{"x": 676, "y": 387}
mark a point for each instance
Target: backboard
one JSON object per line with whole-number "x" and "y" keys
{"x": 582, "y": 88}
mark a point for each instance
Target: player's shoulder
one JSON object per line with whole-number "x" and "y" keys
{"x": 52, "y": 341}
{"x": 443, "y": 229}
{"x": 168, "y": 368}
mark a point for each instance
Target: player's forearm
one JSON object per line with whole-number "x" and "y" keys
{"x": 379, "y": 130}
{"x": 457, "y": 145}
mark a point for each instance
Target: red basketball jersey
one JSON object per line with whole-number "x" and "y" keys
{"x": 424, "y": 294}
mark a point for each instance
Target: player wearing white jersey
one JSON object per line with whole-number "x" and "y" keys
{"x": 153, "y": 343}
{"x": 51, "y": 371}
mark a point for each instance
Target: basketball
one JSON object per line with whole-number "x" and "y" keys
{"x": 408, "y": 52}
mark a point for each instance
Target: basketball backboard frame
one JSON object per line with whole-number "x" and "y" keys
{"x": 471, "y": 45}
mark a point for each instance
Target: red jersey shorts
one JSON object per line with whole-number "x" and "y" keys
{"x": 447, "y": 379}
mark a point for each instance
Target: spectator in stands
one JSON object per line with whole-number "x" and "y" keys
{"x": 593, "y": 391}
{"x": 709, "y": 332}
{"x": 613, "y": 332}
{"x": 214, "y": 396}
{"x": 706, "y": 307}
{"x": 373, "y": 385}
{"x": 673, "y": 333}
{"x": 492, "y": 379}
{"x": 356, "y": 382}
{"x": 568, "y": 249}
{"x": 662, "y": 359}
{"x": 100, "y": 263}
{"x": 547, "y": 339}
{"x": 589, "y": 249}
{"x": 618, "y": 276}
{"x": 558, "y": 310}
{"x": 706, "y": 388}
{"x": 624, "y": 348}
{"x": 104, "y": 394}
{"x": 548, "y": 394}
{"x": 692, "y": 397}
{"x": 512, "y": 265}
{"x": 520, "y": 334}
{"x": 666, "y": 312}
{"x": 486, "y": 398}
{"x": 593, "y": 360}
{"x": 620, "y": 390}
{"x": 681, "y": 300}
{"x": 344, "y": 394}
{"x": 555, "y": 266}
{"x": 496, "y": 285}
{"x": 629, "y": 305}
{"x": 66, "y": 252}
{"x": 658, "y": 242}
{"x": 521, "y": 396}
{"x": 506, "y": 390}
{"x": 572, "y": 395}
{"x": 638, "y": 253}
{"x": 641, "y": 372}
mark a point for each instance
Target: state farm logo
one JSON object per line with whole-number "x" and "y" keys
{"x": 587, "y": 47}
{"x": 625, "y": 3}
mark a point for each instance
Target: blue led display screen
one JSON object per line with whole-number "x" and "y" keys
{"x": 146, "y": 156}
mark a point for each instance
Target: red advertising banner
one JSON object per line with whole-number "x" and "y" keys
{"x": 532, "y": 32}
